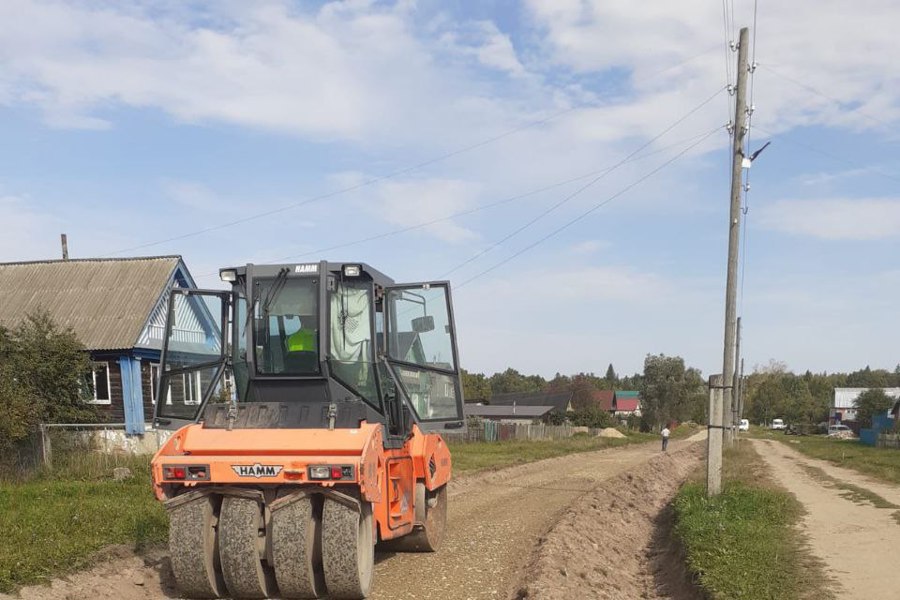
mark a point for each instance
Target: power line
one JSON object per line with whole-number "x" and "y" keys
{"x": 746, "y": 208}
{"x": 380, "y": 178}
{"x": 843, "y": 159}
{"x": 589, "y": 211}
{"x": 813, "y": 90}
{"x": 584, "y": 187}
{"x": 470, "y": 211}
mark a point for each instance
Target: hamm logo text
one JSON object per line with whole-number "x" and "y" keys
{"x": 257, "y": 470}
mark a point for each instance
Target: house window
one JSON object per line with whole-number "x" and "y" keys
{"x": 100, "y": 383}
{"x": 193, "y": 390}
{"x": 154, "y": 381}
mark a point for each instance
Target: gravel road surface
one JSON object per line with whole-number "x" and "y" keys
{"x": 856, "y": 540}
{"x": 495, "y": 518}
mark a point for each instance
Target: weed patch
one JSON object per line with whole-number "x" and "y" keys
{"x": 742, "y": 543}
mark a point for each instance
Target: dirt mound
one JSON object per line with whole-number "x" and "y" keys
{"x": 615, "y": 542}
{"x": 611, "y": 432}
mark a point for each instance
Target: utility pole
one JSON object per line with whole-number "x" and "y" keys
{"x": 740, "y": 391}
{"x": 734, "y": 222}
{"x": 736, "y": 384}
{"x": 720, "y": 386}
{"x": 714, "y": 438}
{"x": 65, "y": 246}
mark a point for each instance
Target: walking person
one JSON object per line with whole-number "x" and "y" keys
{"x": 665, "y": 437}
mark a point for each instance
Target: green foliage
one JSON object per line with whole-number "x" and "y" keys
{"x": 742, "y": 543}
{"x": 475, "y": 386}
{"x": 592, "y": 416}
{"x": 670, "y": 392}
{"x": 42, "y": 370}
{"x": 871, "y": 403}
{"x": 511, "y": 380}
{"x": 611, "y": 377}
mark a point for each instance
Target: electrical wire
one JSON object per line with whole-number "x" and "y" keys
{"x": 830, "y": 155}
{"x": 581, "y": 189}
{"x": 393, "y": 174}
{"x": 467, "y": 212}
{"x": 744, "y": 231}
{"x": 588, "y": 212}
{"x": 813, "y": 90}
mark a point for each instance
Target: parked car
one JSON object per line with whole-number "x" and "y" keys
{"x": 744, "y": 425}
{"x": 778, "y": 424}
{"x": 840, "y": 431}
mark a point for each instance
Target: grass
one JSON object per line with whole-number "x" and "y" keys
{"x": 57, "y": 521}
{"x": 880, "y": 463}
{"x": 478, "y": 456}
{"x": 742, "y": 543}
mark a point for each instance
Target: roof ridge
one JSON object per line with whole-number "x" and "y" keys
{"x": 82, "y": 260}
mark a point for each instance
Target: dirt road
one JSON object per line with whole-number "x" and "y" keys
{"x": 856, "y": 540}
{"x": 496, "y": 520}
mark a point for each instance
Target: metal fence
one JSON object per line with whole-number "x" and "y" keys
{"x": 889, "y": 440}
{"x": 494, "y": 431}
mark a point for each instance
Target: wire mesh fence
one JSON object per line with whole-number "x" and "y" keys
{"x": 495, "y": 431}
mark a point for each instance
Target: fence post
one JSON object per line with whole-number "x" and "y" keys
{"x": 46, "y": 449}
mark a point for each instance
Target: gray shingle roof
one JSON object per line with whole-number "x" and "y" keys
{"x": 559, "y": 400}
{"x": 508, "y": 412}
{"x": 105, "y": 301}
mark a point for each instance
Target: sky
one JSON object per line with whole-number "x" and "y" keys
{"x": 564, "y": 163}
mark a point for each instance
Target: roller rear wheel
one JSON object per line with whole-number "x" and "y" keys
{"x": 348, "y": 549}
{"x": 241, "y": 545}
{"x": 193, "y": 548}
{"x": 297, "y": 547}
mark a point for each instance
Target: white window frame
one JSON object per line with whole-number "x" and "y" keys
{"x": 94, "y": 367}
{"x": 154, "y": 381}
{"x": 196, "y": 392}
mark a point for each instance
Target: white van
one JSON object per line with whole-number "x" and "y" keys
{"x": 744, "y": 426}
{"x": 778, "y": 424}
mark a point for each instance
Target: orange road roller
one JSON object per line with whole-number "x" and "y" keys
{"x": 308, "y": 402}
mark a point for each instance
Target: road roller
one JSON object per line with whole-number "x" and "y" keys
{"x": 307, "y": 404}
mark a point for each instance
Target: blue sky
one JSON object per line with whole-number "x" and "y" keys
{"x": 126, "y": 125}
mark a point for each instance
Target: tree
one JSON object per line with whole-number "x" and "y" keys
{"x": 611, "y": 376}
{"x": 592, "y": 416}
{"x": 476, "y": 386}
{"x": 669, "y": 391}
{"x": 870, "y": 404}
{"x": 511, "y": 380}
{"x": 42, "y": 378}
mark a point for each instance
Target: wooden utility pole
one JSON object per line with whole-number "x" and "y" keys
{"x": 720, "y": 392}
{"x": 734, "y": 220}
{"x": 714, "y": 438}
{"x": 65, "y": 246}
{"x": 736, "y": 383}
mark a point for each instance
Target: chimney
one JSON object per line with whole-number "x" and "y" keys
{"x": 65, "y": 246}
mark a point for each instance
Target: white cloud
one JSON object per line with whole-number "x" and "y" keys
{"x": 836, "y": 218}
{"x": 589, "y": 246}
{"x": 28, "y": 233}
{"x": 413, "y": 202}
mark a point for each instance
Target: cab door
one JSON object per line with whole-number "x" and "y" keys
{"x": 193, "y": 357}
{"x": 420, "y": 348}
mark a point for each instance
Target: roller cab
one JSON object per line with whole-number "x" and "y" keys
{"x": 307, "y": 402}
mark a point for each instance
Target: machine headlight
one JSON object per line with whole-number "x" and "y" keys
{"x": 352, "y": 270}
{"x": 320, "y": 472}
{"x": 228, "y": 275}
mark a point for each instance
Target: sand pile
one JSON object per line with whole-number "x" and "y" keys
{"x": 611, "y": 432}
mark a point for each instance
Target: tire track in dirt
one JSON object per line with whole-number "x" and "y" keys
{"x": 496, "y": 520}
{"x": 856, "y": 541}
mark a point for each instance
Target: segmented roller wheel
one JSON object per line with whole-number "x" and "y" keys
{"x": 241, "y": 539}
{"x": 297, "y": 548}
{"x": 348, "y": 550}
{"x": 192, "y": 548}
{"x": 431, "y": 523}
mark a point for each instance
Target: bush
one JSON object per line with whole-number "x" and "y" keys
{"x": 592, "y": 417}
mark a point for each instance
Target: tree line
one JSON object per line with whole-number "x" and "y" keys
{"x": 772, "y": 391}
{"x": 669, "y": 391}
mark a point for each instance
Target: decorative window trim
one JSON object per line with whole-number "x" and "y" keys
{"x": 95, "y": 366}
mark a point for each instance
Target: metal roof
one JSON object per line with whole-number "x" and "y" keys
{"x": 510, "y": 412}
{"x": 603, "y": 399}
{"x": 846, "y": 397}
{"x": 559, "y": 400}
{"x": 107, "y": 302}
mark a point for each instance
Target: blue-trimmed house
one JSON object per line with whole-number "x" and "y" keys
{"x": 117, "y": 308}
